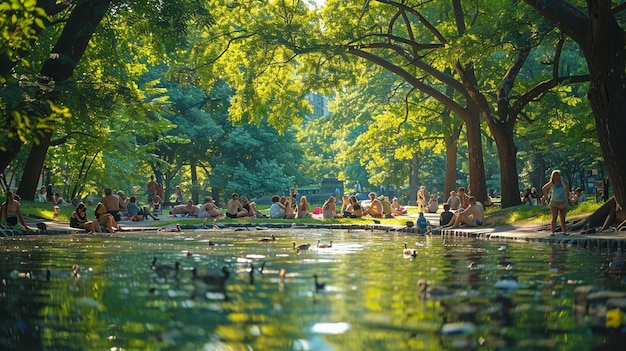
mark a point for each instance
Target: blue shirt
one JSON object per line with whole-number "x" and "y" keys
{"x": 422, "y": 222}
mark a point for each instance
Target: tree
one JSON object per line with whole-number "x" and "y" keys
{"x": 601, "y": 38}
{"x": 34, "y": 103}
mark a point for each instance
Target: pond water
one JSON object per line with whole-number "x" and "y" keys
{"x": 370, "y": 299}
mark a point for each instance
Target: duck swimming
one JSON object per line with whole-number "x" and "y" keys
{"x": 323, "y": 245}
{"x": 266, "y": 239}
{"x": 432, "y": 291}
{"x": 210, "y": 281}
{"x": 318, "y": 285}
{"x": 301, "y": 246}
{"x": 409, "y": 252}
{"x": 165, "y": 271}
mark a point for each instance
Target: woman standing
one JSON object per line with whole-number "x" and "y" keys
{"x": 558, "y": 200}
{"x": 421, "y": 198}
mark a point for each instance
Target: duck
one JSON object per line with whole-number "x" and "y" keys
{"x": 432, "y": 291}
{"x": 75, "y": 271}
{"x": 211, "y": 281}
{"x": 323, "y": 245}
{"x": 318, "y": 285}
{"x": 304, "y": 246}
{"x": 409, "y": 252}
{"x": 165, "y": 271}
{"x": 214, "y": 226}
{"x": 267, "y": 239}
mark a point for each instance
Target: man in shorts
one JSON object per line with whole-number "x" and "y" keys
{"x": 473, "y": 216}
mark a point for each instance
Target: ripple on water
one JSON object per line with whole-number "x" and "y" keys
{"x": 369, "y": 301}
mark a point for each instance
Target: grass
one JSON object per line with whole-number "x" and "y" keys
{"x": 534, "y": 214}
{"x": 495, "y": 215}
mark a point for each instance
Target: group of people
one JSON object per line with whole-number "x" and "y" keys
{"x": 109, "y": 211}
{"x": 377, "y": 207}
{"x": 461, "y": 208}
{"x": 47, "y": 194}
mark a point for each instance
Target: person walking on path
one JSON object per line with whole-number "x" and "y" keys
{"x": 558, "y": 200}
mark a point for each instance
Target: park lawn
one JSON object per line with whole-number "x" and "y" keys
{"x": 494, "y": 215}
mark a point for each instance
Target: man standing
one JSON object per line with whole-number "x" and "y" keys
{"x": 293, "y": 192}
{"x": 152, "y": 188}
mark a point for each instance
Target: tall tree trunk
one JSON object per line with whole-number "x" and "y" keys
{"x": 58, "y": 67}
{"x": 451, "y": 157}
{"x": 478, "y": 183}
{"x": 602, "y": 41}
{"x": 34, "y": 166}
{"x": 194, "y": 182}
{"x": 507, "y": 155}
{"x": 604, "y": 51}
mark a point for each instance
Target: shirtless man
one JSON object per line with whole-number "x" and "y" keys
{"x": 234, "y": 208}
{"x": 188, "y": 209}
{"x": 376, "y": 207}
{"x": 11, "y": 212}
{"x": 112, "y": 203}
{"x": 152, "y": 188}
{"x": 473, "y": 216}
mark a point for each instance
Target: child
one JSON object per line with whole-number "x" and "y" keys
{"x": 422, "y": 222}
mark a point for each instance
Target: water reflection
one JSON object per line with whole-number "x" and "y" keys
{"x": 225, "y": 289}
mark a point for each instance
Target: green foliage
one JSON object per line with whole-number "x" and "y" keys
{"x": 20, "y": 22}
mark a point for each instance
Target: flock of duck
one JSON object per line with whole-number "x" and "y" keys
{"x": 216, "y": 282}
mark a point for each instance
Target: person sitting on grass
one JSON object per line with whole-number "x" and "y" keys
{"x": 155, "y": 205}
{"x": 234, "y": 208}
{"x": 422, "y": 222}
{"x": 303, "y": 208}
{"x": 249, "y": 206}
{"x": 396, "y": 209}
{"x": 329, "y": 208}
{"x": 473, "y": 216}
{"x": 106, "y": 219}
{"x": 376, "y": 207}
{"x": 384, "y": 200}
{"x": 79, "y": 220}
{"x": 112, "y": 203}
{"x": 446, "y": 216}
{"x": 11, "y": 212}
{"x": 136, "y": 211}
{"x": 289, "y": 212}
{"x": 355, "y": 210}
{"x": 432, "y": 205}
{"x": 209, "y": 209}
{"x": 277, "y": 210}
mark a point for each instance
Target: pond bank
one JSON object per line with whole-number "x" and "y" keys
{"x": 525, "y": 232}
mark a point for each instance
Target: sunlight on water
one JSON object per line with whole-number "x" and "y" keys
{"x": 231, "y": 291}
